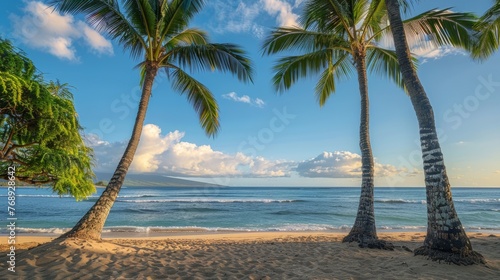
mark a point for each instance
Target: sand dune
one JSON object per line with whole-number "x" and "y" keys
{"x": 273, "y": 255}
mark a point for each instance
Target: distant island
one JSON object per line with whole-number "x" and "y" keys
{"x": 138, "y": 180}
{"x": 151, "y": 180}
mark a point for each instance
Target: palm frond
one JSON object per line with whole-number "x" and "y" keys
{"x": 442, "y": 27}
{"x": 105, "y": 16}
{"x": 289, "y": 69}
{"x": 296, "y": 38}
{"x": 142, "y": 15}
{"x": 385, "y": 62}
{"x": 360, "y": 10}
{"x": 223, "y": 57}
{"x": 187, "y": 37}
{"x": 200, "y": 97}
{"x": 332, "y": 15}
{"x": 177, "y": 14}
{"x": 341, "y": 69}
{"x": 488, "y": 28}
{"x": 373, "y": 23}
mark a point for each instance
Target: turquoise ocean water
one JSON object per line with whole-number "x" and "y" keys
{"x": 165, "y": 209}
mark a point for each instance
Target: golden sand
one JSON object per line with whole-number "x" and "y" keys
{"x": 266, "y": 255}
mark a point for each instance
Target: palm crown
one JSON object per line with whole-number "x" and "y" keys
{"x": 335, "y": 32}
{"x": 157, "y": 30}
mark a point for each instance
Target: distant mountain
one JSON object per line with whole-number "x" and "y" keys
{"x": 153, "y": 180}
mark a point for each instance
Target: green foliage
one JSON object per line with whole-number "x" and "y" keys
{"x": 488, "y": 33}
{"x": 39, "y": 129}
{"x": 442, "y": 27}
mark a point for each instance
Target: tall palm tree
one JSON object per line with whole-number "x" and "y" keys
{"x": 157, "y": 31}
{"x": 340, "y": 37}
{"x": 446, "y": 238}
{"x": 488, "y": 27}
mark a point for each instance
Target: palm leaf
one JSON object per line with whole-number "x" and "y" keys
{"x": 295, "y": 38}
{"x": 222, "y": 57}
{"x": 385, "y": 62}
{"x": 200, "y": 97}
{"x": 488, "y": 27}
{"x": 142, "y": 15}
{"x": 289, "y": 69}
{"x": 177, "y": 14}
{"x": 375, "y": 19}
{"x": 331, "y": 16}
{"x": 105, "y": 16}
{"x": 342, "y": 68}
{"x": 441, "y": 27}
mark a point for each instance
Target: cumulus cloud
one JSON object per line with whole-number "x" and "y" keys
{"x": 152, "y": 145}
{"x": 168, "y": 154}
{"x": 431, "y": 52}
{"x": 42, "y": 28}
{"x": 340, "y": 164}
{"x": 244, "y": 99}
{"x": 246, "y": 16}
{"x": 282, "y": 10}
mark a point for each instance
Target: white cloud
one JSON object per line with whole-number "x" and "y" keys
{"x": 151, "y": 146}
{"x": 41, "y": 27}
{"x": 431, "y": 52}
{"x": 297, "y": 3}
{"x": 248, "y": 16}
{"x": 96, "y": 41}
{"x": 244, "y": 99}
{"x": 169, "y": 155}
{"x": 259, "y": 102}
{"x": 283, "y": 11}
{"x": 235, "y": 17}
{"x": 340, "y": 164}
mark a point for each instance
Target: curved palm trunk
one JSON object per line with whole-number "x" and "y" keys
{"x": 364, "y": 230}
{"x": 446, "y": 238}
{"x": 90, "y": 226}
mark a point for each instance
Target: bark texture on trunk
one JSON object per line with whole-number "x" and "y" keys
{"x": 364, "y": 230}
{"x": 91, "y": 224}
{"x": 446, "y": 239}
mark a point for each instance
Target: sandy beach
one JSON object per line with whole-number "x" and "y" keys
{"x": 249, "y": 255}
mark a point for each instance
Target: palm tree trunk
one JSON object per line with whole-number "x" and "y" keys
{"x": 364, "y": 230}
{"x": 446, "y": 238}
{"x": 90, "y": 226}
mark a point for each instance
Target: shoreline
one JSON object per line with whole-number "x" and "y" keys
{"x": 398, "y": 236}
{"x": 241, "y": 255}
{"x": 213, "y": 234}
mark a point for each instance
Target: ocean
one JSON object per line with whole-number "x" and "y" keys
{"x": 148, "y": 210}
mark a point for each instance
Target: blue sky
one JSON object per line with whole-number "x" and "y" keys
{"x": 266, "y": 138}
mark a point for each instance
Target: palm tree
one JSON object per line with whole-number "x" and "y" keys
{"x": 61, "y": 90}
{"x": 156, "y": 30}
{"x": 446, "y": 239}
{"x": 488, "y": 27}
{"x": 338, "y": 36}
